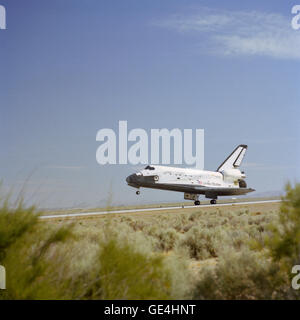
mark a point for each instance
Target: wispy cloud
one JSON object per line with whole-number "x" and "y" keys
{"x": 265, "y": 166}
{"x": 253, "y": 165}
{"x": 239, "y": 32}
{"x": 65, "y": 167}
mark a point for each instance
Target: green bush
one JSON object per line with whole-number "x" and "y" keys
{"x": 14, "y": 223}
{"x": 24, "y": 250}
{"x": 200, "y": 243}
{"x": 284, "y": 242}
{"x": 152, "y": 256}
{"x": 167, "y": 239}
{"x": 258, "y": 274}
{"x": 243, "y": 275}
{"x": 47, "y": 261}
{"x": 128, "y": 274}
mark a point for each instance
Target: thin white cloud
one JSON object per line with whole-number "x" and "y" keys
{"x": 252, "y": 165}
{"x": 239, "y": 32}
{"x": 265, "y": 166}
{"x": 65, "y": 167}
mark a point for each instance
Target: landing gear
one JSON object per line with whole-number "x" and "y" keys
{"x": 242, "y": 184}
{"x": 213, "y": 201}
{"x": 138, "y": 192}
{"x": 197, "y": 203}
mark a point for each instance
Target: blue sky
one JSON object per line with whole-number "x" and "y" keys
{"x": 69, "y": 68}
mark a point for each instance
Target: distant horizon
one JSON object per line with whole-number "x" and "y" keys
{"x": 262, "y": 195}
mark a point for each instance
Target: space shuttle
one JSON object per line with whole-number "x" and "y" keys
{"x": 227, "y": 180}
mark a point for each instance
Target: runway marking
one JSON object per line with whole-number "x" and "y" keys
{"x": 86, "y": 214}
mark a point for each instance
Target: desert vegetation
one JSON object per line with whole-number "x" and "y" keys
{"x": 232, "y": 253}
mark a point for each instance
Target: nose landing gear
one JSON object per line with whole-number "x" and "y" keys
{"x": 197, "y": 203}
{"x": 213, "y": 201}
{"x": 137, "y": 192}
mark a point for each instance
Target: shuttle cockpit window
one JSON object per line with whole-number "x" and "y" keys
{"x": 149, "y": 168}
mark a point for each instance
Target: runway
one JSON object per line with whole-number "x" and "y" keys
{"x": 87, "y": 214}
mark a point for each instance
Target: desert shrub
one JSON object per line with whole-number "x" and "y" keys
{"x": 163, "y": 239}
{"x": 151, "y": 230}
{"x": 14, "y": 223}
{"x": 284, "y": 243}
{"x": 199, "y": 242}
{"x": 131, "y": 257}
{"x": 137, "y": 225}
{"x": 175, "y": 221}
{"x": 26, "y": 247}
{"x": 281, "y": 242}
{"x": 125, "y": 273}
{"x": 258, "y": 274}
{"x": 167, "y": 239}
{"x": 194, "y": 216}
{"x": 212, "y": 221}
{"x": 127, "y": 267}
{"x": 244, "y": 275}
{"x": 187, "y": 227}
{"x": 239, "y": 239}
{"x": 47, "y": 261}
{"x": 182, "y": 281}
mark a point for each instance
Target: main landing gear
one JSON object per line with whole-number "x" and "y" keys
{"x": 137, "y": 192}
{"x": 213, "y": 201}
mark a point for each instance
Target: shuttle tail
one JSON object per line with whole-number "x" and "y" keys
{"x": 235, "y": 159}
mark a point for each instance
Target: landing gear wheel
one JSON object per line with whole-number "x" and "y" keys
{"x": 197, "y": 203}
{"x": 213, "y": 201}
{"x": 138, "y": 192}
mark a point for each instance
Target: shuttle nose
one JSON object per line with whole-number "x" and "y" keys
{"x": 131, "y": 178}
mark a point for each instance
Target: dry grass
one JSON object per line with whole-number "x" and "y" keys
{"x": 195, "y": 236}
{"x": 199, "y": 253}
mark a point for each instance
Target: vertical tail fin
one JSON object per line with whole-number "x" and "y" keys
{"x": 235, "y": 159}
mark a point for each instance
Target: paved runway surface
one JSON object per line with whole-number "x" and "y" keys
{"x": 86, "y": 214}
